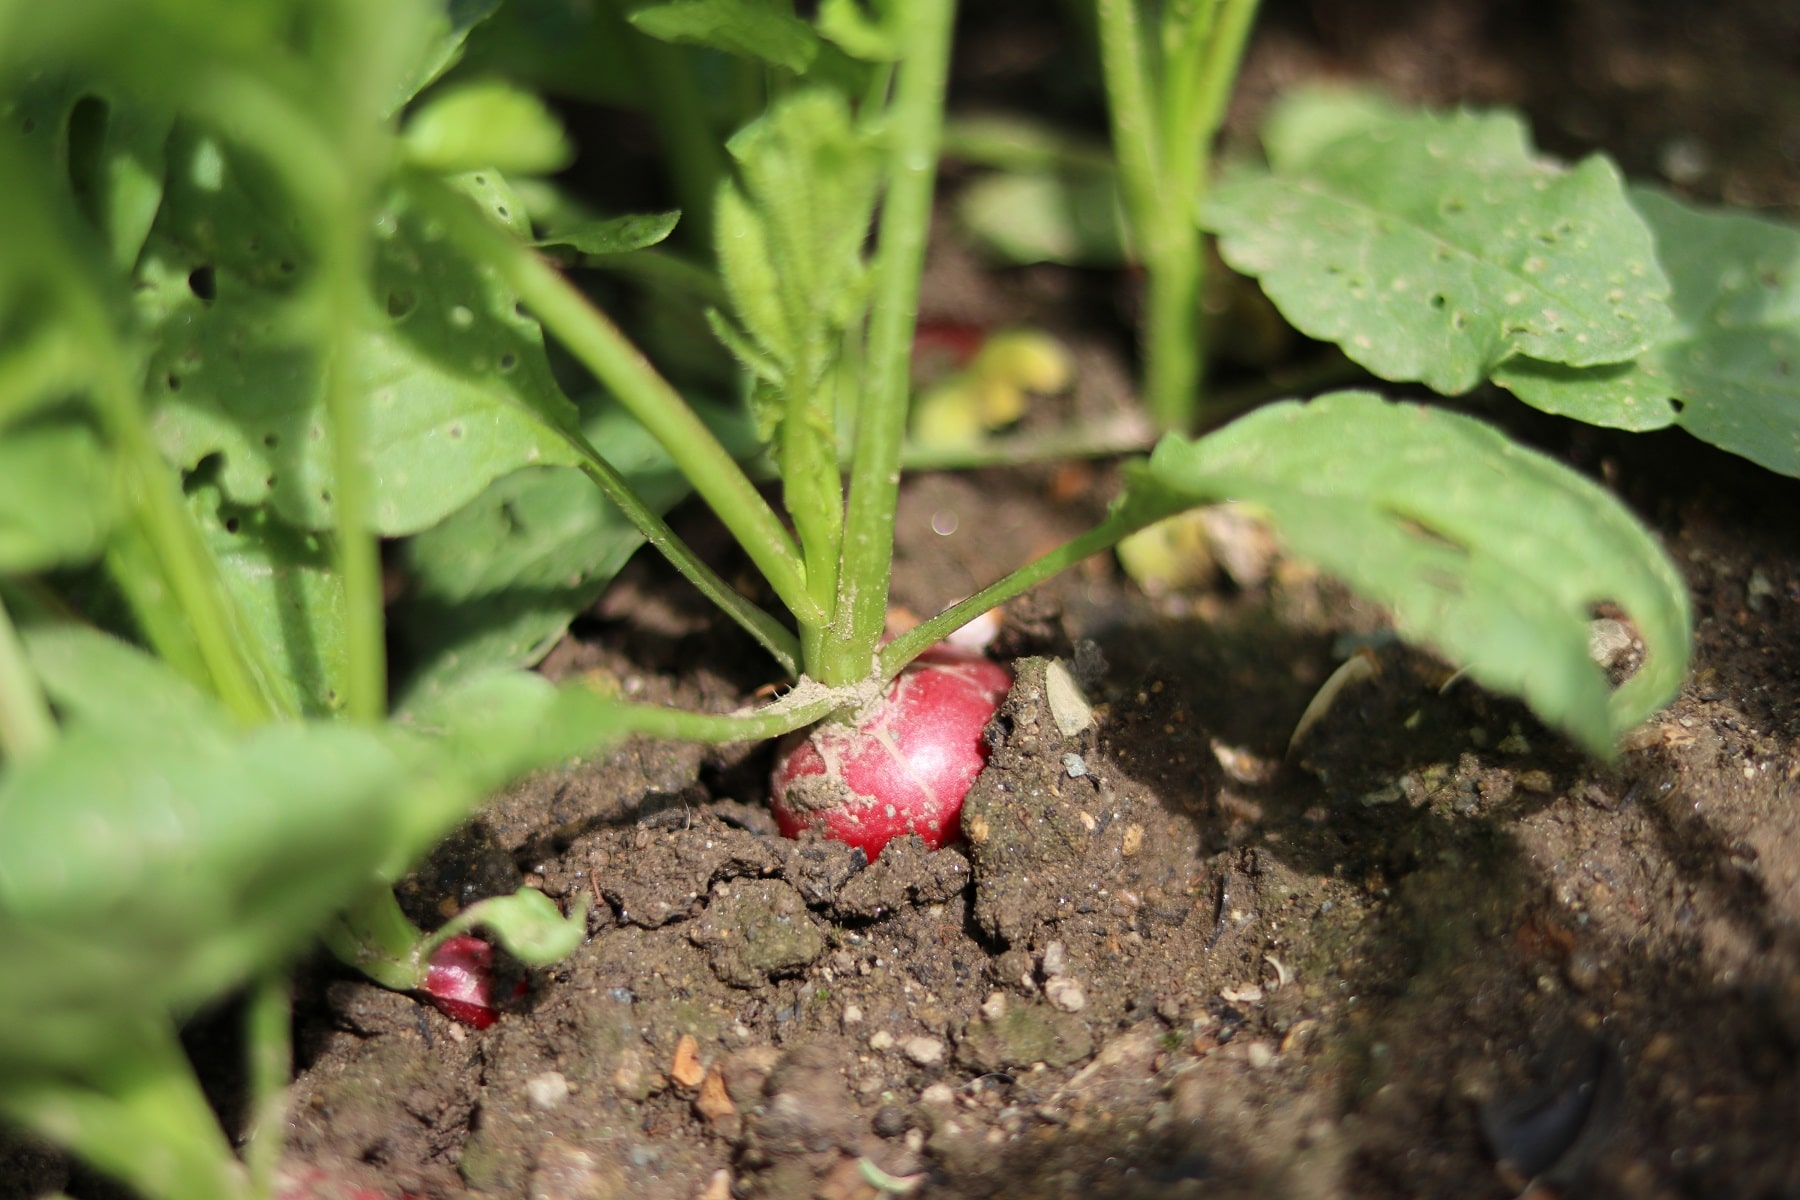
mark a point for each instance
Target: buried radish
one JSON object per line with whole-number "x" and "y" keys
{"x": 903, "y": 767}
{"x": 460, "y": 981}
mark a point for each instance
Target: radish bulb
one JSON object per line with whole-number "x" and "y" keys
{"x": 904, "y": 768}
{"x": 460, "y": 981}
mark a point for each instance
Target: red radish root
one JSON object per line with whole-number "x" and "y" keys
{"x": 460, "y": 981}
{"x": 904, "y": 768}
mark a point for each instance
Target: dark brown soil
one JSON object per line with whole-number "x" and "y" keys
{"x": 1431, "y": 951}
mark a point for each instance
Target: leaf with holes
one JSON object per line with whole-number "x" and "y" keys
{"x": 1492, "y": 553}
{"x": 1434, "y": 247}
{"x": 455, "y": 384}
{"x": 107, "y": 145}
{"x": 1732, "y": 357}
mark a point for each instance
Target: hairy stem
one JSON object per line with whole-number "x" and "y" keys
{"x": 915, "y": 124}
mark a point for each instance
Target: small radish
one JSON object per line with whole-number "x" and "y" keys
{"x": 460, "y": 981}
{"x": 905, "y": 767}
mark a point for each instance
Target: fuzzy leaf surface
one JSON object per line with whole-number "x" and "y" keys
{"x": 1494, "y": 554}
{"x": 1731, "y": 356}
{"x": 1434, "y": 247}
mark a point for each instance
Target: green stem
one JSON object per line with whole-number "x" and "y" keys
{"x": 375, "y": 937}
{"x": 142, "y": 1120}
{"x": 915, "y": 641}
{"x": 768, "y": 632}
{"x": 269, "y": 1049}
{"x": 185, "y": 571}
{"x": 597, "y": 342}
{"x": 357, "y": 553}
{"x": 1134, "y": 128}
{"x": 1164, "y": 159}
{"x": 26, "y": 724}
{"x": 1224, "y": 55}
{"x": 914, "y": 127}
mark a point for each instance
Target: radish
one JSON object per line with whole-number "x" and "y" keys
{"x": 906, "y": 764}
{"x": 460, "y": 981}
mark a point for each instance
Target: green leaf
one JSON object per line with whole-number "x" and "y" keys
{"x": 1434, "y": 247}
{"x": 1075, "y": 220}
{"x": 455, "y": 380}
{"x": 856, "y": 34}
{"x": 95, "y": 679}
{"x": 614, "y": 235}
{"x": 1730, "y": 359}
{"x": 735, "y": 27}
{"x": 106, "y": 146}
{"x": 447, "y": 40}
{"x": 1492, "y": 553}
{"x": 527, "y": 923}
{"x": 494, "y": 585}
{"x": 286, "y": 586}
{"x": 59, "y": 495}
{"x": 145, "y": 873}
{"x": 790, "y": 233}
{"x": 486, "y": 124}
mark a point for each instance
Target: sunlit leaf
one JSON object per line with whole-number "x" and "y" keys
{"x": 1433, "y": 247}
{"x": 1731, "y": 359}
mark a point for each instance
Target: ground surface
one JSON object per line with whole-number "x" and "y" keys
{"x": 1431, "y": 951}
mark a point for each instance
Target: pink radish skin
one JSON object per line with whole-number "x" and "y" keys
{"x": 460, "y": 981}
{"x": 905, "y": 768}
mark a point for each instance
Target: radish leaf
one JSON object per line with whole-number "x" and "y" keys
{"x": 1492, "y": 553}
{"x": 1434, "y": 247}
{"x": 458, "y": 387}
{"x": 735, "y": 27}
{"x": 1731, "y": 359}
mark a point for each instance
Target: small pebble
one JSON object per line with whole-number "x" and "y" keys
{"x": 890, "y": 1121}
{"x": 1066, "y": 994}
{"x": 925, "y": 1051}
{"x": 546, "y": 1092}
{"x": 994, "y": 1007}
{"x": 938, "y": 1093}
{"x": 1259, "y": 1054}
{"x": 1056, "y": 960}
{"x": 1074, "y": 764}
{"x": 1068, "y": 707}
{"x": 852, "y": 1014}
{"x": 881, "y": 1039}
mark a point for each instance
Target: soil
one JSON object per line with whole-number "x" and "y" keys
{"x": 1428, "y": 950}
